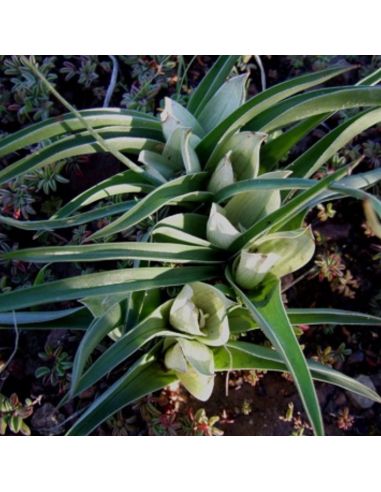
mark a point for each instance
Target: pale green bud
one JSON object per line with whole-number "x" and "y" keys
{"x": 199, "y": 310}
{"x": 219, "y": 230}
{"x": 193, "y": 364}
{"x": 278, "y": 254}
{"x": 223, "y": 175}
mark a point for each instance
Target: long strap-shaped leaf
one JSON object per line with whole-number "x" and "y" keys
{"x": 211, "y": 83}
{"x": 311, "y": 160}
{"x": 155, "y": 325}
{"x": 338, "y": 191}
{"x": 315, "y": 316}
{"x": 73, "y": 319}
{"x": 163, "y": 195}
{"x": 124, "y": 182}
{"x": 142, "y": 379}
{"x": 291, "y": 184}
{"x": 170, "y": 234}
{"x": 245, "y": 356}
{"x": 72, "y": 221}
{"x": 163, "y": 252}
{"x": 313, "y": 104}
{"x": 76, "y": 145}
{"x": 260, "y": 103}
{"x": 268, "y": 310}
{"x": 355, "y": 182}
{"x": 98, "y": 329}
{"x": 287, "y": 211}
{"x": 68, "y": 123}
{"x": 274, "y": 151}
{"x": 361, "y": 195}
{"x": 104, "y": 283}
{"x": 262, "y": 184}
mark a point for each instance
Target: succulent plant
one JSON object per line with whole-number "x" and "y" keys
{"x": 231, "y": 225}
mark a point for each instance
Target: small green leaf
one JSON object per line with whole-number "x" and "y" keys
{"x": 219, "y": 230}
{"x": 175, "y": 116}
{"x": 230, "y": 96}
{"x": 211, "y": 82}
{"x": 256, "y": 203}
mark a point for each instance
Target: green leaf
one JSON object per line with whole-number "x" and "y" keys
{"x": 230, "y": 96}
{"x": 94, "y": 334}
{"x": 260, "y": 103}
{"x": 76, "y": 145}
{"x": 104, "y": 283}
{"x": 124, "y": 182}
{"x": 199, "y": 310}
{"x": 287, "y": 211}
{"x": 219, "y": 230}
{"x": 73, "y": 319}
{"x": 318, "y": 154}
{"x": 323, "y": 316}
{"x": 170, "y": 234}
{"x": 74, "y": 220}
{"x": 190, "y": 223}
{"x": 223, "y": 175}
{"x": 35, "y": 316}
{"x": 371, "y": 79}
{"x": 40, "y": 277}
{"x": 240, "y": 321}
{"x": 211, "y": 83}
{"x": 273, "y": 151}
{"x": 198, "y": 355}
{"x": 199, "y": 385}
{"x": 139, "y": 381}
{"x": 161, "y": 252}
{"x": 15, "y": 424}
{"x": 163, "y": 195}
{"x": 354, "y": 181}
{"x": 262, "y": 184}
{"x": 68, "y": 123}
{"x": 189, "y": 156}
{"x": 243, "y": 149}
{"x": 268, "y": 310}
{"x": 157, "y": 164}
{"x": 175, "y": 116}
{"x": 313, "y": 104}
{"x": 155, "y": 325}
{"x": 246, "y": 356}
{"x": 256, "y": 204}
{"x": 186, "y": 228}
{"x": 277, "y": 254}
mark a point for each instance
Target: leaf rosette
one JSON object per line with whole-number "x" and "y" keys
{"x": 276, "y": 254}
{"x": 199, "y": 312}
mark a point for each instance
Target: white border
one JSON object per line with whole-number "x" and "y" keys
{"x": 193, "y": 26}
{"x": 190, "y": 464}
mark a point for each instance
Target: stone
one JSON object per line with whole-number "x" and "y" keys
{"x": 47, "y": 421}
{"x": 361, "y": 401}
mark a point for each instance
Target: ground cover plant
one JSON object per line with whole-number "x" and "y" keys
{"x": 194, "y": 238}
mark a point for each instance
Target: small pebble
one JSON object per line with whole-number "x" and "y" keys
{"x": 361, "y": 401}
